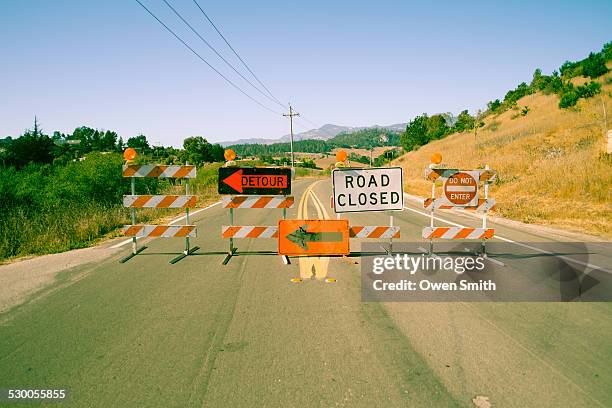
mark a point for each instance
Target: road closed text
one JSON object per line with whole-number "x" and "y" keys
{"x": 357, "y": 190}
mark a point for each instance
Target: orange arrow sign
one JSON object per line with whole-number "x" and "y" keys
{"x": 313, "y": 237}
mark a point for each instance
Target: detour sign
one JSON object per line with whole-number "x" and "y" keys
{"x": 255, "y": 180}
{"x": 461, "y": 188}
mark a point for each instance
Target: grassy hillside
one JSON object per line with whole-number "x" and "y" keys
{"x": 551, "y": 162}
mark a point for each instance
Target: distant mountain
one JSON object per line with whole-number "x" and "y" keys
{"x": 325, "y": 132}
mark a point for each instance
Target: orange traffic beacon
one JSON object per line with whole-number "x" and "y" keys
{"x": 313, "y": 237}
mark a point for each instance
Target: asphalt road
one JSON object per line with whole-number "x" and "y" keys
{"x": 150, "y": 334}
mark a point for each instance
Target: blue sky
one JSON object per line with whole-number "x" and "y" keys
{"x": 108, "y": 64}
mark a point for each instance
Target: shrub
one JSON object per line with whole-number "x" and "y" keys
{"x": 594, "y": 65}
{"x": 568, "y": 99}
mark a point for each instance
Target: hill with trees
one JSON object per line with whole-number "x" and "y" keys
{"x": 547, "y": 141}
{"x": 360, "y": 139}
{"x": 562, "y": 83}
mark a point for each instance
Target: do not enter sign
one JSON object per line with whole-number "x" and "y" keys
{"x": 461, "y": 188}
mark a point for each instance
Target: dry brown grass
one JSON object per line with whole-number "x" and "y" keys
{"x": 551, "y": 164}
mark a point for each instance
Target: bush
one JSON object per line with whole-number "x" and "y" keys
{"x": 594, "y": 66}
{"x": 568, "y": 99}
{"x": 588, "y": 90}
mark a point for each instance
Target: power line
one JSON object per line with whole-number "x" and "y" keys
{"x": 236, "y": 53}
{"x": 206, "y": 62}
{"x": 218, "y": 54}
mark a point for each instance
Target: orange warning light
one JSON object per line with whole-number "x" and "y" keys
{"x": 341, "y": 156}
{"x": 129, "y": 154}
{"x": 229, "y": 155}
{"x": 436, "y": 158}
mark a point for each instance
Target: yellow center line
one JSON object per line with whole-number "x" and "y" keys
{"x": 309, "y": 265}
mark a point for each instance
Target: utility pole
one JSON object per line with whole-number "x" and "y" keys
{"x": 290, "y": 115}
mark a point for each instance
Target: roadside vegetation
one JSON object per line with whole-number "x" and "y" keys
{"x": 57, "y": 195}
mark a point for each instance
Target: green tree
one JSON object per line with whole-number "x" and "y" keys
{"x": 198, "y": 150}
{"x": 140, "y": 143}
{"x": 494, "y": 106}
{"x": 464, "y": 122}
{"x": 436, "y": 127}
{"x": 32, "y": 147}
{"x": 594, "y": 65}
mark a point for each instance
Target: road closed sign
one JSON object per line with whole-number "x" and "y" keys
{"x": 360, "y": 190}
{"x": 461, "y": 189}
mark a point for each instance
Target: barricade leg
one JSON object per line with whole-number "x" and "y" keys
{"x": 187, "y": 250}
{"x": 232, "y": 251}
{"x": 431, "y": 215}
{"x": 135, "y": 249}
{"x": 285, "y": 258}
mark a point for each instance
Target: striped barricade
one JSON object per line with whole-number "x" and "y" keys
{"x": 134, "y": 201}
{"x": 443, "y": 204}
{"x": 460, "y": 190}
{"x": 159, "y": 201}
{"x": 457, "y": 233}
{"x": 159, "y": 171}
{"x": 257, "y": 202}
{"x": 372, "y": 231}
{"x": 162, "y": 231}
{"x": 249, "y": 231}
{"x": 232, "y": 232}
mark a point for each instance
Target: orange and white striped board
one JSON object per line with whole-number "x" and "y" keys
{"x": 159, "y": 201}
{"x": 249, "y": 231}
{"x": 487, "y": 176}
{"x": 159, "y": 171}
{"x": 443, "y": 204}
{"x": 257, "y": 202}
{"x": 372, "y": 231}
{"x": 162, "y": 231}
{"x": 457, "y": 233}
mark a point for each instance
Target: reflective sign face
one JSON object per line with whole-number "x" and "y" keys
{"x": 357, "y": 190}
{"x": 254, "y": 180}
{"x": 461, "y": 188}
{"x": 313, "y": 237}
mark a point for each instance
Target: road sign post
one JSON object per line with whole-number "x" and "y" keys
{"x": 253, "y": 187}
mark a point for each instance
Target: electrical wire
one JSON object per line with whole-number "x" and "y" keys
{"x": 236, "y": 53}
{"x": 206, "y": 62}
{"x": 218, "y": 54}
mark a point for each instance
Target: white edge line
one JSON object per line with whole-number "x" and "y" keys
{"x": 127, "y": 241}
{"x": 588, "y": 265}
